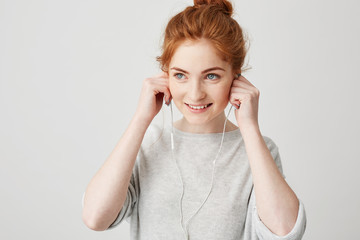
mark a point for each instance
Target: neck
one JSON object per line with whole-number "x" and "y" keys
{"x": 215, "y": 126}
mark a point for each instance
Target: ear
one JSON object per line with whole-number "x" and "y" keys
{"x": 166, "y": 73}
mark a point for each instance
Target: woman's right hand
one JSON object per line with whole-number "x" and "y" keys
{"x": 152, "y": 96}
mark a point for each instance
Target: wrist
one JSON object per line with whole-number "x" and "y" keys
{"x": 140, "y": 122}
{"x": 250, "y": 129}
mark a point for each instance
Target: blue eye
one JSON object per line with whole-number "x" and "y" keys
{"x": 176, "y": 74}
{"x": 215, "y": 75}
{"x": 212, "y": 76}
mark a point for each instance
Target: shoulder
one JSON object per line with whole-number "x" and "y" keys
{"x": 270, "y": 143}
{"x": 152, "y": 135}
{"x": 274, "y": 150}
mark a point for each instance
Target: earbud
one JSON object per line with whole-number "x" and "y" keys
{"x": 168, "y": 103}
{"x": 237, "y": 75}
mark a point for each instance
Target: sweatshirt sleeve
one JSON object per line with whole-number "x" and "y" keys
{"x": 263, "y": 232}
{"x": 274, "y": 150}
{"x": 130, "y": 201}
{"x": 152, "y": 134}
{"x": 296, "y": 233}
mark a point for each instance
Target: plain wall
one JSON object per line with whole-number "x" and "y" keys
{"x": 70, "y": 79}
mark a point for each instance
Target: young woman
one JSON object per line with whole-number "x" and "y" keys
{"x": 204, "y": 177}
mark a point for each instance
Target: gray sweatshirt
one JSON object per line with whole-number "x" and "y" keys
{"x": 152, "y": 205}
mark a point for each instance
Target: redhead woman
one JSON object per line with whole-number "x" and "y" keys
{"x": 202, "y": 177}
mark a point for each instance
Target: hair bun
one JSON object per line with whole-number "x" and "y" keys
{"x": 226, "y": 6}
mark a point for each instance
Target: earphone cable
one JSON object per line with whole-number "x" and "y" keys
{"x": 212, "y": 179}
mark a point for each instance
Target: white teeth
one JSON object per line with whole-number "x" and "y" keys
{"x": 198, "y": 107}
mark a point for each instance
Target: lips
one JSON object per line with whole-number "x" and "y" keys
{"x": 198, "y": 109}
{"x": 198, "y": 106}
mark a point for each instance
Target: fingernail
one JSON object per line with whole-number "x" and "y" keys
{"x": 236, "y": 106}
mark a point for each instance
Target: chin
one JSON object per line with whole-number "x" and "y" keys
{"x": 195, "y": 119}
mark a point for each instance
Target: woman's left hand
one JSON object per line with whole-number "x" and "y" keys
{"x": 247, "y": 95}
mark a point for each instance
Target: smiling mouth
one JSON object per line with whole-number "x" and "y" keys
{"x": 199, "y": 106}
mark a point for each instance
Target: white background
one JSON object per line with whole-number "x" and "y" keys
{"x": 70, "y": 79}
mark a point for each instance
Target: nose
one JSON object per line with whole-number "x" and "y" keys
{"x": 196, "y": 90}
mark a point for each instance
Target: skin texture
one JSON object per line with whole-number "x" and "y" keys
{"x": 195, "y": 87}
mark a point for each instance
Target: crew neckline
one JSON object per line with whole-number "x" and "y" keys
{"x": 230, "y": 135}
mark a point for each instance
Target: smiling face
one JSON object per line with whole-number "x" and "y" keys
{"x": 199, "y": 78}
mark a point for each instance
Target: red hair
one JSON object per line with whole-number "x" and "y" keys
{"x": 209, "y": 19}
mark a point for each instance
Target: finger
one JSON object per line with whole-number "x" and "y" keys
{"x": 237, "y": 106}
{"x": 248, "y": 93}
{"x": 164, "y": 77}
{"x": 240, "y": 90}
{"x": 238, "y": 82}
{"x": 236, "y": 98}
{"x": 159, "y": 81}
{"x": 235, "y": 102}
{"x": 167, "y": 94}
{"x": 160, "y": 74}
{"x": 244, "y": 86}
{"x": 242, "y": 78}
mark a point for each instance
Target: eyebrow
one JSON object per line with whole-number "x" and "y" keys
{"x": 207, "y": 70}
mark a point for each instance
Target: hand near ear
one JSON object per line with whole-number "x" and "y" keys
{"x": 246, "y": 96}
{"x": 154, "y": 91}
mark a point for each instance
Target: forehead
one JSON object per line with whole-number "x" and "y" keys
{"x": 197, "y": 55}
